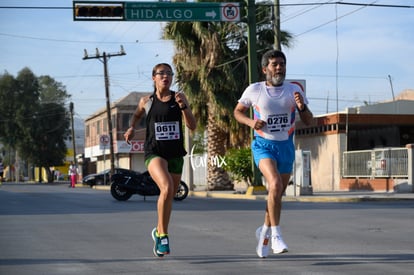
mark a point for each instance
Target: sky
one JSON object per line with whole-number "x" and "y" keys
{"x": 349, "y": 55}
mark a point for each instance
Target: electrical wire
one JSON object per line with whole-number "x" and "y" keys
{"x": 269, "y": 4}
{"x": 316, "y": 4}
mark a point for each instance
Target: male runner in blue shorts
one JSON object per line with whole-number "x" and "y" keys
{"x": 274, "y": 103}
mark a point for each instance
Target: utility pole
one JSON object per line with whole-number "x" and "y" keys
{"x": 73, "y": 134}
{"x": 392, "y": 88}
{"x": 276, "y": 25}
{"x": 104, "y": 59}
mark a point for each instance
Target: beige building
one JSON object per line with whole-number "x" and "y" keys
{"x": 387, "y": 124}
{"x": 97, "y": 151}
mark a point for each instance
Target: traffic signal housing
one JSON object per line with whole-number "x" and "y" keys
{"x": 88, "y": 10}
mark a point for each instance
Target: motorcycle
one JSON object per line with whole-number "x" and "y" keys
{"x": 124, "y": 185}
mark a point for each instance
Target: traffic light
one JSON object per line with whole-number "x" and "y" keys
{"x": 87, "y": 10}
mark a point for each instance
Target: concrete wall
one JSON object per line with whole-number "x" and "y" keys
{"x": 325, "y": 160}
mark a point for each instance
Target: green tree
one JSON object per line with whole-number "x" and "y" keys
{"x": 9, "y": 130}
{"x": 35, "y": 120}
{"x": 44, "y": 145}
{"x": 51, "y": 91}
{"x": 26, "y": 103}
{"x": 211, "y": 64}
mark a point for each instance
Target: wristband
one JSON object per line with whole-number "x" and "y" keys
{"x": 304, "y": 109}
{"x": 183, "y": 108}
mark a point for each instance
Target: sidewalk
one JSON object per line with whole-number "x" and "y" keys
{"x": 339, "y": 196}
{"x": 240, "y": 194}
{"x": 335, "y": 196}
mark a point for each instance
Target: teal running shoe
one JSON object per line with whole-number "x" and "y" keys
{"x": 163, "y": 246}
{"x": 156, "y": 239}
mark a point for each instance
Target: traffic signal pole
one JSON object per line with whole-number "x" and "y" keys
{"x": 104, "y": 59}
{"x": 251, "y": 43}
{"x": 276, "y": 25}
{"x": 253, "y": 70}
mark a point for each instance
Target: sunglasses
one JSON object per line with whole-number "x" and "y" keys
{"x": 168, "y": 73}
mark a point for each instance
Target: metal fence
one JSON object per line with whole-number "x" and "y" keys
{"x": 378, "y": 163}
{"x": 198, "y": 166}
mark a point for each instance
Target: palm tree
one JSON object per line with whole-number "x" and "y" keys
{"x": 211, "y": 65}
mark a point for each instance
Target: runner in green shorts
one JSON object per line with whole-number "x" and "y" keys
{"x": 165, "y": 111}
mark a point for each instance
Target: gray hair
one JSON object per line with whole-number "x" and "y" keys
{"x": 271, "y": 54}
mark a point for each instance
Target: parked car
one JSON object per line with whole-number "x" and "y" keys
{"x": 102, "y": 177}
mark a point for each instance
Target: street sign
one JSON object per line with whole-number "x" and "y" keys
{"x": 300, "y": 82}
{"x": 182, "y": 11}
{"x": 156, "y": 11}
{"x": 103, "y": 141}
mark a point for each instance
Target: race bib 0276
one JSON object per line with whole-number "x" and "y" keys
{"x": 278, "y": 123}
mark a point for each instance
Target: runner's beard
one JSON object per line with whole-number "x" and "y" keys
{"x": 277, "y": 80}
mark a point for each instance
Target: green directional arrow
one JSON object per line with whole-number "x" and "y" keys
{"x": 211, "y": 14}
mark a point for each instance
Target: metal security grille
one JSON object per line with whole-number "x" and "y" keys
{"x": 378, "y": 163}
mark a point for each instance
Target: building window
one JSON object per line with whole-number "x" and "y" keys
{"x": 105, "y": 125}
{"x": 114, "y": 122}
{"x": 125, "y": 121}
{"x": 98, "y": 127}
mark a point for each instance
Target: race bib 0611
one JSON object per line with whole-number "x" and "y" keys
{"x": 167, "y": 130}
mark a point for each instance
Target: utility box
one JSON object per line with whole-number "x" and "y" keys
{"x": 300, "y": 183}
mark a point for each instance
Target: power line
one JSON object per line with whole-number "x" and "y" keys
{"x": 375, "y": 5}
{"x": 302, "y": 12}
{"x": 282, "y": 5}
{"x": 348, "y": 3}
{"x": 330, "y": 21}
{"x": 317, "y": 4}
{"x": 35, "y": 8}
{"x": 77, "y": 41}
{"x": 342, "y": 76}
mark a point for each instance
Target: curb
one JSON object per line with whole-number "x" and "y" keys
{"x": 218, "y": 195}
{"x": 102, "y": 187}
{"x": 307, "y": 198}
{"x": 311, "y": 198}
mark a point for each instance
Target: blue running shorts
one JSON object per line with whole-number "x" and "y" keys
{"x": 283, "y": 152}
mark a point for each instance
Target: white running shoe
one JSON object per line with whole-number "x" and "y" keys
{"x": 262, "y": 248}
{"x": 278, "y": 245}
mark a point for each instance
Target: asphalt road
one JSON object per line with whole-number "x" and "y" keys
{"x": 52, "y": 229}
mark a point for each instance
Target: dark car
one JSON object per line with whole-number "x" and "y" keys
{"x": 102, "y": 177}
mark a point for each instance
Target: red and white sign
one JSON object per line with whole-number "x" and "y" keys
{"x": 300, "y": 82}
{"x": 137, "y": 146}
{"x": 230, "y": 12}
{"x": 103, "y": 141}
